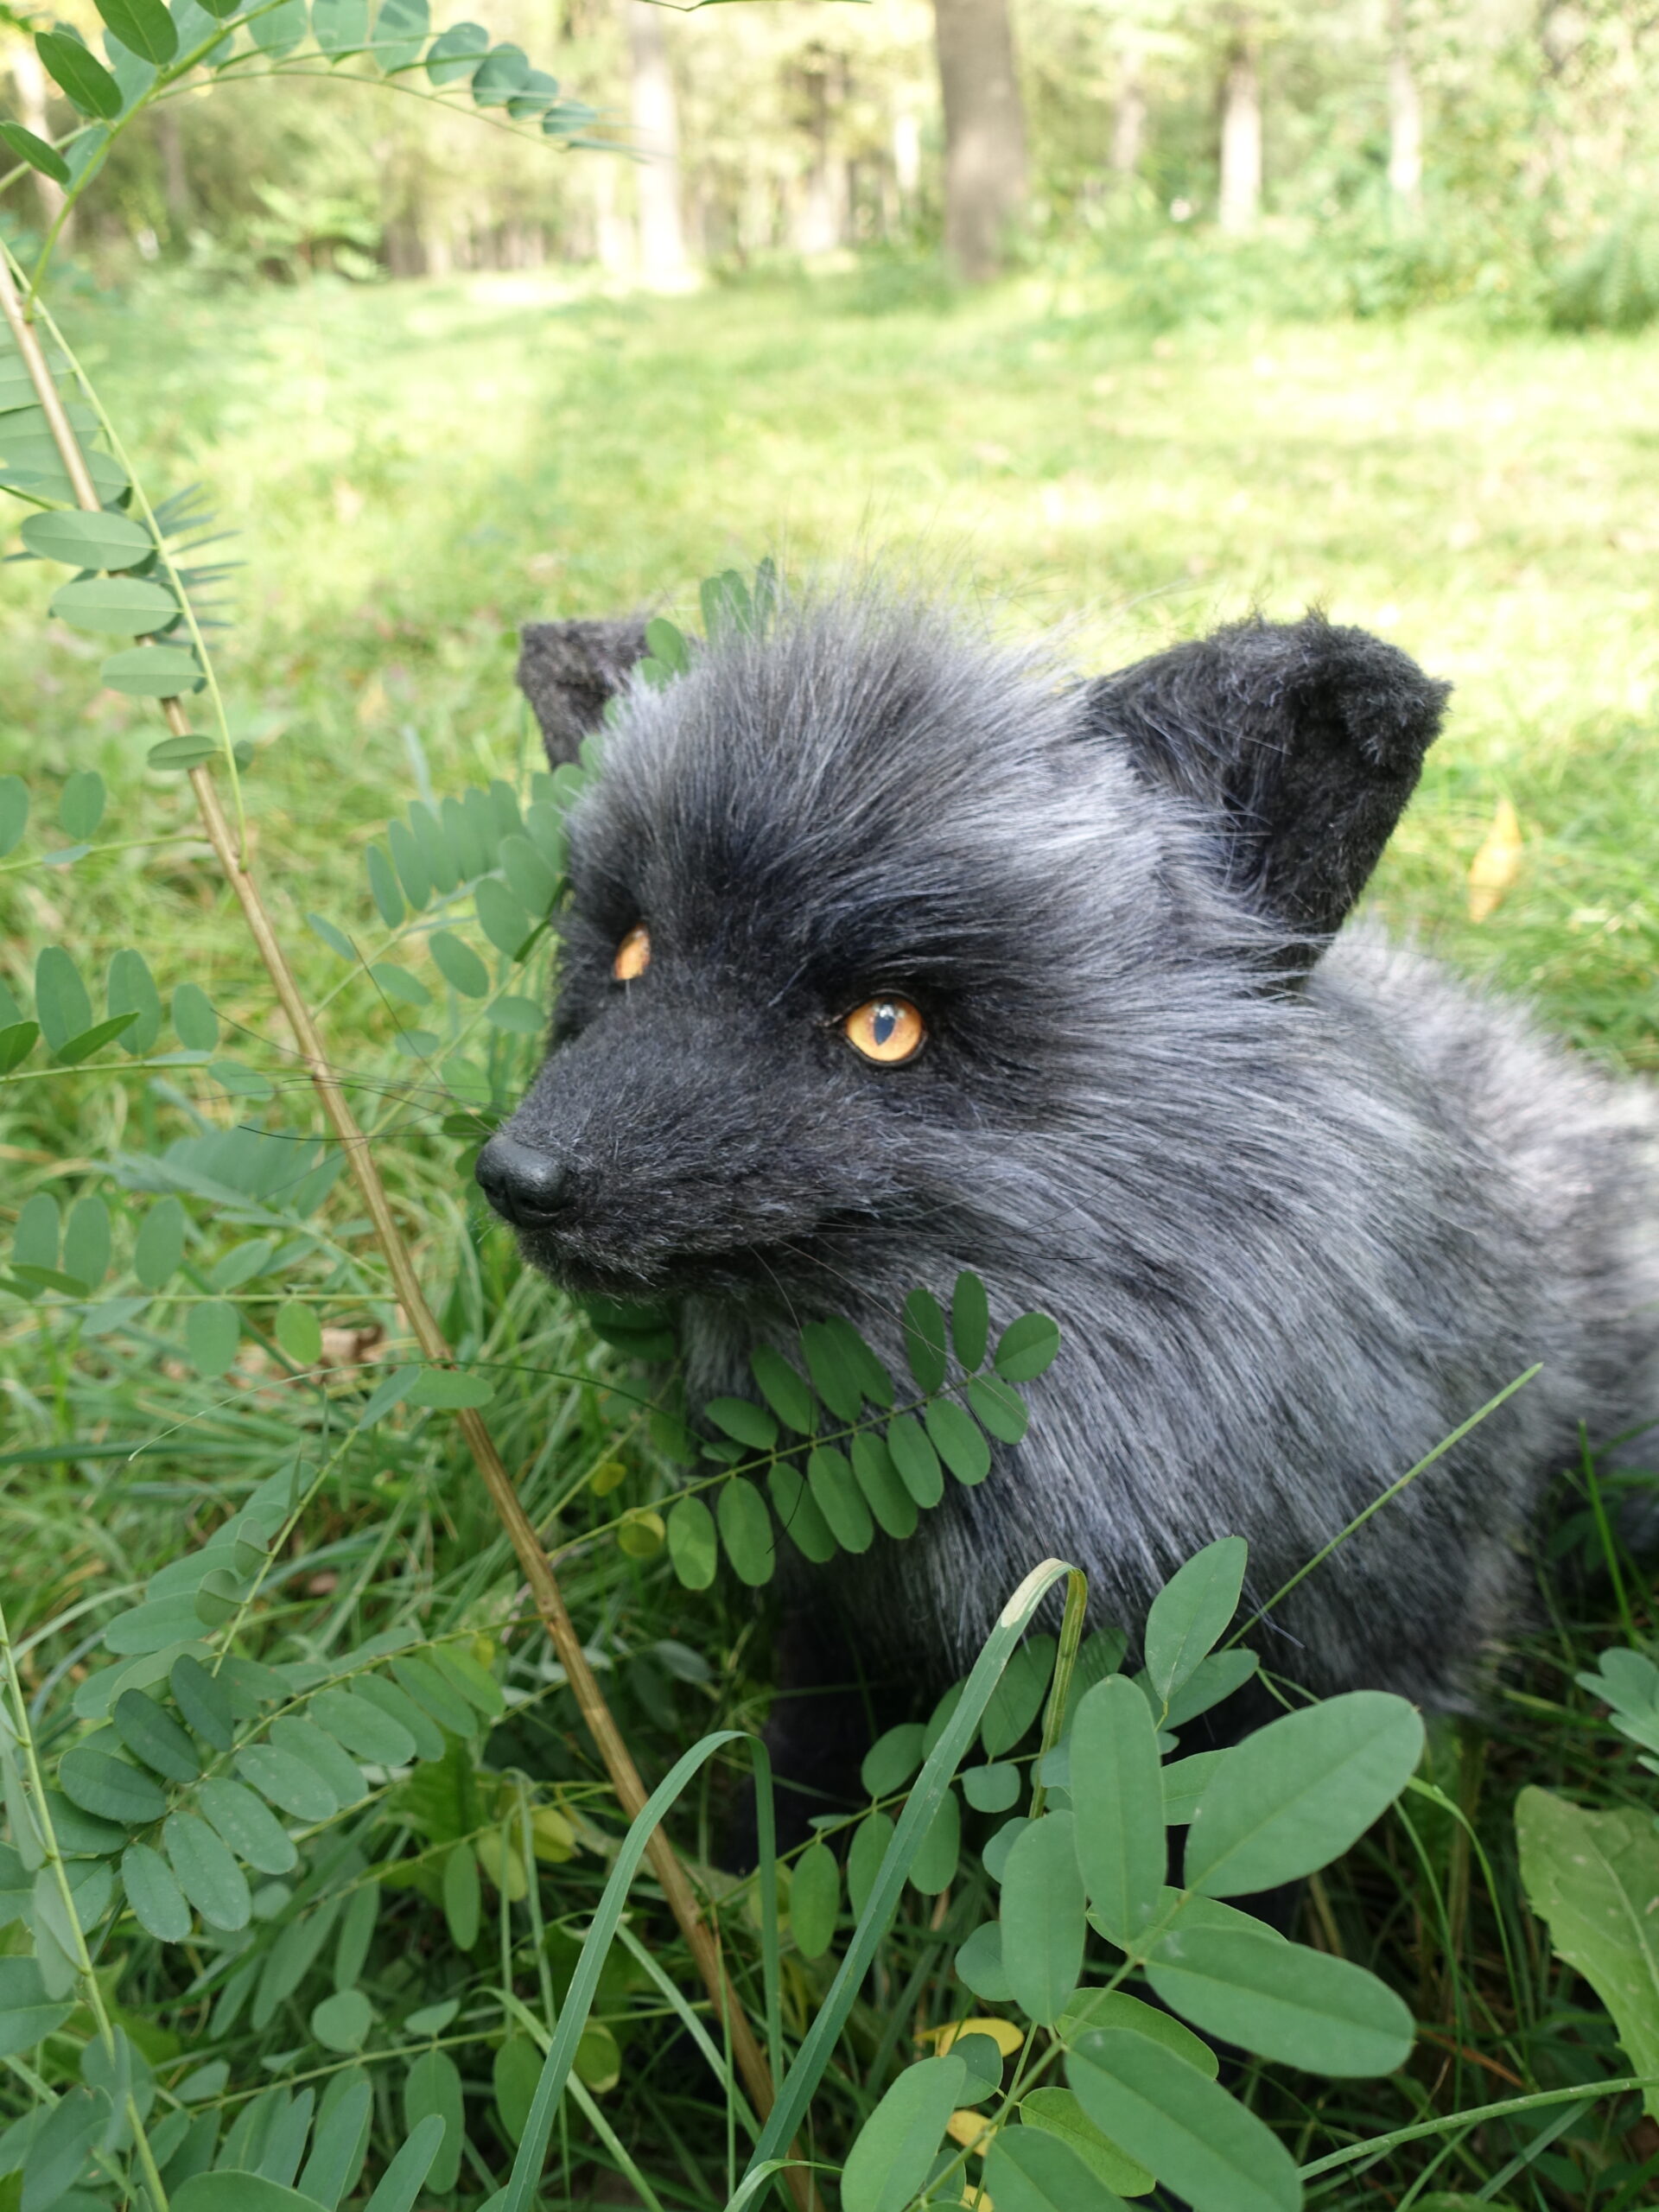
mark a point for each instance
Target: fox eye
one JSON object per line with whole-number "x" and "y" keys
{"x": 632, "y": 955}
{"x": 886, "y": 1030}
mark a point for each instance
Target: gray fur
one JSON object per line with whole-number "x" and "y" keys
{"x": 567, "y": 671}
{"x": 1299, "y": 1211}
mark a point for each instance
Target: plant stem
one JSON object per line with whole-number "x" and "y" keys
{"x": 533, "y": 1558}
{"x": 41, "y": 1813}
{"x": 1375, "y": 2145}
{"x": 1059, "y": 1695}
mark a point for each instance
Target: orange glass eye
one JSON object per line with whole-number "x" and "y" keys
{"x": 632, "y": 955}
{"x": 885, "y": 1030}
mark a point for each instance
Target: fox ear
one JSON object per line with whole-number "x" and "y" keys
{"x": 569, "y": 671}
{"x": 1306, "y": 740}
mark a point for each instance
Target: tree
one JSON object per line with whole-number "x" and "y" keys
{"x": 985, "y": 173}
{"x": 657, "y": 126}
{"x": 1241, "y": 129}
{"x": 1405, "y": 113}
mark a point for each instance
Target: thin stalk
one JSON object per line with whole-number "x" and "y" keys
{"x": 1059, "y": 1695}
{"x": 1375, "y": 2146}
{"x": 537, "y": 1571}
{"x": 1378, "y": 1503}
{"x": 42, "y": 1813}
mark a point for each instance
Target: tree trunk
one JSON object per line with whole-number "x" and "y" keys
{"x": 28, "y": 75}
{"x": 1129, "y": 121}
{"x": 1240, "y": 137}
{"x": 656, "y": 133}
{"x": 175, "y": 178}
{"x": 984, "y": 133}
{"x": 820, "y": 222}
{"x": 1405, "y": 115}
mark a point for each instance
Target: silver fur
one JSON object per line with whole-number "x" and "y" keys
{"x": 1299, "y": 1211}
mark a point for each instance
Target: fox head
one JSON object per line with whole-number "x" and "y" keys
{"x": 884, "y": 942}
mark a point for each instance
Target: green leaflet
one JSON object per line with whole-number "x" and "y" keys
{"x": 1282, "y": 2000}
{"x": 122, "y": 606}
{"x": 1200, "y": 2142}
{"x": 1044, "y": 1931}
{"x": 839, "y": 1499}
{"x": 1032, "y": 2170}
{"x": 87, "y": 541}
{"x": 35, "y": 151}
{"x": 815, "y": 1900}
{"x": 692, "y": 1544}
{"x": 925, "y": 1337}
{"x": 1190, "y": 1613}
{"x": 937, "y": 1856}
{"x": 891, "y": 2159}
{"x": 80, "y": 803}
{"x": 243, "y": 1822}
{"x": 61, "y": 1005}
{"x": 971, "y": 1321}
{"x": 1593, "y": 1877}
{"x": 108, "y": 1788}
{"x": 1027, "y": 1348}
{"x": 87, "y": 82}
{"x": 1118, "y": 1793}
{"x": 1293, "y": 1796}
{"x": 151, "y": 1734}
{"x": 432, "y": 2092}
{"x": 342, "y": 2022}
{"x": 206, "y": 1871}
{"x": 153, "y": 671}
{"x": 143, "y": 27}
{"x": 1058, "y": 2113}
{"x": 746, "y": 1531}
{"x": 892, "y": 1759}
{"x": 1018, "y": 1697}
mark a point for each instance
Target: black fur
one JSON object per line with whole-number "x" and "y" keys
{"x": 1300, "y": 1206}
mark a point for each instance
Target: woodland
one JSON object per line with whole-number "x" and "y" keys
{"x": 385, "y": 1637}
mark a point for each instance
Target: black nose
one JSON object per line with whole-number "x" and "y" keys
{"x": 525, "y": 1186}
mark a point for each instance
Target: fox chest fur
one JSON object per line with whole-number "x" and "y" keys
{"x": 888, "y": 954}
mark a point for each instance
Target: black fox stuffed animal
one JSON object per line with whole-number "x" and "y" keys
{"x": 891, "y": 952}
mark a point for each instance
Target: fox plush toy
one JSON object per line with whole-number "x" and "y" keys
{"x": 891, "y": 951}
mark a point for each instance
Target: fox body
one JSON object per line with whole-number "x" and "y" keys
{"x": 1301, "y": 1202}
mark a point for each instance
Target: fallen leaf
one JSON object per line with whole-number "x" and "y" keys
{"x": 1495, "y": 867}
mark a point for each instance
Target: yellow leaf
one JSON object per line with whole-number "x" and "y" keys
{"x": 641, "y": 1533}
{"x": 1003, "y": 2033}
{"x": 971, "y": 2129}
{"x": 606, "y": 1478}
{"x": 1498, "y": 863}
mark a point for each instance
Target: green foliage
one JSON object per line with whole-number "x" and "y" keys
{"x": 295, "y": 1774}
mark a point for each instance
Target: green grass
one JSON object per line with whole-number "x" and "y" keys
{"x": 413, "y": 470}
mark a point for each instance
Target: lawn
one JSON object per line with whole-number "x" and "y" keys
{"x": 412, "y": 471}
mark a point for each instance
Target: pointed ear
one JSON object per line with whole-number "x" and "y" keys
{"x": 567, "y": 671}
{"x": 1304, "y": 740}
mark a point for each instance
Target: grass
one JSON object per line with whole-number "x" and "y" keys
{"x": 414, "y": 471}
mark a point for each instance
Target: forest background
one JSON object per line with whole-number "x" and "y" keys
{"x": 1128, "y": 317}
